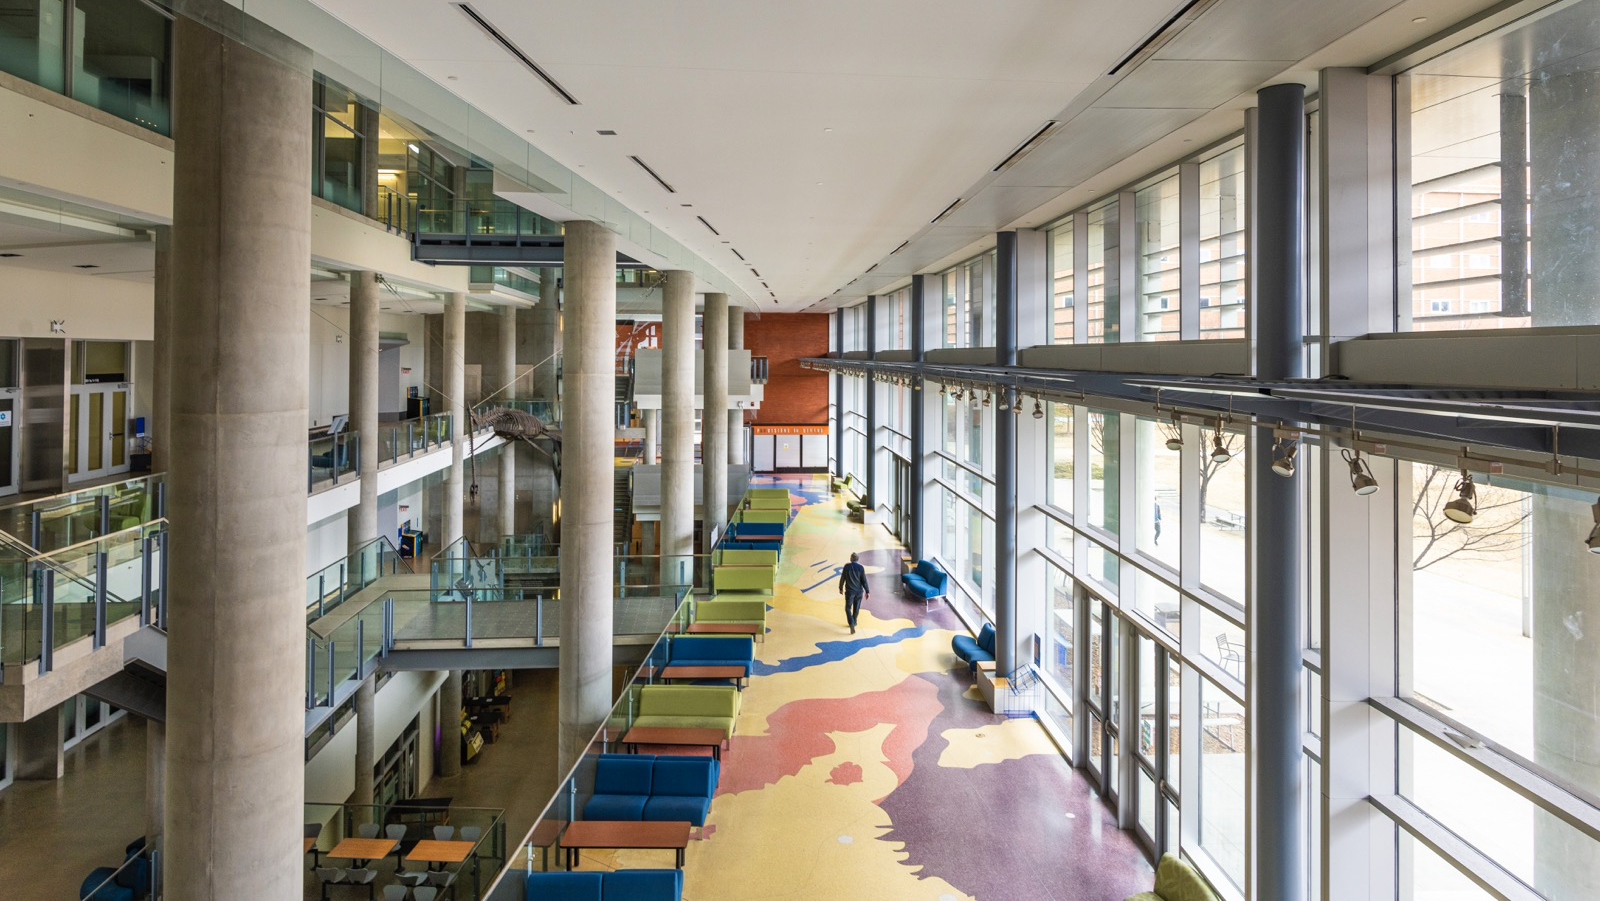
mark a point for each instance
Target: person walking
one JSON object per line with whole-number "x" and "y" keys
{"x": 853, "y": 585}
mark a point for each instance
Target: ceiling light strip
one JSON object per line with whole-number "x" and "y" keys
{"x": 1025, "y": 146}
{"x": 947, "y": 210}
{"x": 495, "y": 35}
{"x": 659, "y": 180}
{"x": 1162, "y": 35}
{"x": 709, "y": 226}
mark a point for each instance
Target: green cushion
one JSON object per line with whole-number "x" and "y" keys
{"x": 782, "y": 493}
{"x": 725, "y": 723}
{"x": 732, "y": 610}
{"x": 768, "y": 503}
{"x": 748, "y": 558}
{"x": 780, "y": 516}
{"x": 688, "y": 701}
{"x": 1177, "y": 881}
{"x": 1143, "y": 896}
{"x": 742, "y": 578}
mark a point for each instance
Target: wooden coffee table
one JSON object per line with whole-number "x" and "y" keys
{"x": 751, "y": 629}
{"x": 736, "y": 673}
{"x": 673, "y": 735}
{"x": 630, "y": 834}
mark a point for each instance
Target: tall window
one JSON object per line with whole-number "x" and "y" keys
{"x": 1061, "y": 272}
{"x": 1156, "y": 214}
{"x": 1060, "y": 453}
{"x": 1104, "y": 288}
{"x": 114, "y": 55}
{"x": 337, "y": 144}
{"x": 1222, "y": 246}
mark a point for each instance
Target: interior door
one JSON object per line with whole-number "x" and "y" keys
{"x": 99, "y": 443}
{"x": 8, "y": 446}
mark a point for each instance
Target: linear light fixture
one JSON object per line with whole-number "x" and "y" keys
{"x": 947, "y": 210}
{"x": 1162, "y": 35}
{"x": 1023, "y": 148}
{"x": 708, "y": 225}
{"x": 659, "y": 180}
{"x": 736, "y": 252}
{"x": 506, "y": 44}
{"x": 901, "y": 247}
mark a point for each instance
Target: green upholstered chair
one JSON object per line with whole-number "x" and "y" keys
{"x": 743, "y": 578}
{"x": 736, "y": 557}
{"x": 1177, "y": 881}
{"x": 732, "y": 609}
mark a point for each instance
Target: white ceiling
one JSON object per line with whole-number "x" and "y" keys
{"x": 819, "y": 136}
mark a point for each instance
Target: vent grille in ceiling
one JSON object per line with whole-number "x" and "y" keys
{"x": 505, "y": 43}
{"x": 659, "y": 180}
{"x": 708, "y": 225}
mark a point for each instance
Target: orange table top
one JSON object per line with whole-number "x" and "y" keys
{"x": 363, "y": 848}
{"x": 434, "y": 851}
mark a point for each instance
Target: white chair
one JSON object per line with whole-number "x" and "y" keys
{"x": 413, "y": 879}
{"x": 424, "y": 893}
{"x": 444, "y": 833}
{"x": 367, "y": 830}
{"x": 361, "y": 877}
{"x": 329, "y": 876}
{"x": 396, "y": 833}
{"x": 471, "y": 833}
{"x": 443, "y": 878}
{"x": 395, "y": 893}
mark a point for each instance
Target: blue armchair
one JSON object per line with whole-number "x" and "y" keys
{"x": 681, "y": 789}
{"x": 617, "y": 885}
{"x": 621, "y": 787}
{"x": 928, "y": 581}
{"x": 971, "y": 650}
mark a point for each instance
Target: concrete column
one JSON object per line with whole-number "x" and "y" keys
{"x": 713, "y": 421}
{"x": 736, "y": 439}
{"x": 455, "y": 403}
{"x": 236, "y": 648}
{"x": 1007, "y": 653}
{"x": 362, "y": 520}
{"x": 510, "y": 388}
{"x": 587, "y": 478}
{"x": 40, "y": 745}
{"x": 450, "y": 725}
{"x": 651, "y": 420}
{"x": 677, "y": 420}
{"x": 155, "y": 770}
{"x": 1277, "y": 604}
{"x": 366, "y": 753}
{"x": 161, "y": 359}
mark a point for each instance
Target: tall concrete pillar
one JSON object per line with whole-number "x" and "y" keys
{"x": 40, "y": 745}
{"x": 1564, "y": 186}
{"x": 236, "y": 649}
{"x": 450, "y": 725}
{"x": 161, "y": 358}
{"x": 588, "y": 433}
{"x": 677, "y": 423}
{"x": 362, "y": 519}
{"x": 714, "y": 421}
{"x": 652, "y": 419}
{"x": 510, "y": 388}
{"x": 155, "y": 771}
{"x": 366, "y": 753}
{"x": 455, "y": 403}
{"x": 736, "y": 439}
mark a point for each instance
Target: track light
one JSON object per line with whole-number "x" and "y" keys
{"x": 1362, "y": 481}
{"x": 1464, "y": 508}
{"x": 1219, "y": 450}
{"x": 1038, "y": 412}
{"x": 916, "y": 385}
{"x": 988, "y": 398}
{"x": 1283, "y": 454}
{"x": 1174, "y": 433}
{"x": 1004, "y": 403}
{"x": 1593, "y": 540}
{"x": 942, "y": 390}
{"x": 1017, "y": 407}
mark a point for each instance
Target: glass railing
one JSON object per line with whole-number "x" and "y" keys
{"x": 488, "y": 218}
{"x": 629, "y": 573}
{"x": 337, "y": 661}
{"x": 332, "y": 458}
{"x": 404, "y": 440}
{"x": 459, "y": 567}
{"x": 138, "y": 877}
{"x": 504, "y": 278}
{"x": 406, "y": 823}
{"x": 539, "y": 850}
{"x": 396, "y": 211}
{"x": 337, "y": 582}
{"x": 46, "y": 524}
{"x": 515, "y": 617}
{"x": 48, "y": 601}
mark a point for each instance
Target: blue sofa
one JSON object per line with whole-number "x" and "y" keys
{"x": 713, "y": 650}
{"x": 971, "y": 650}
{"x": 756, "y": 531}
{"x": 92, "y": 889}
{"x": 647, "y": 787}
{"x": 615, "y": 885}
{"x": 928, "y": 581}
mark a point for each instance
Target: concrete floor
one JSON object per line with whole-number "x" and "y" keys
{"x": 52, "y": 834}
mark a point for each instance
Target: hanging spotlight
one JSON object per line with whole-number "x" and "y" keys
{"x": 1464, "y": 508}
{"x": 1038, "y": 411}
{"x": 942, "y": 391}
{"x": 1219, "y": 450}
{"x": 1174, "y": 432}
{"x": 1593, "y": 541}
{"x": 1283, "y": 454}
{"x": 988, "y": 398}
{"x": 1017, "y": 407}
{"x": 916, "y": 385}
{"x": 1362, "y": 481}
{"x": 1004, "y": 403}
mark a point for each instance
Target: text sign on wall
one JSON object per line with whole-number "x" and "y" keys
{"x": 789, "y": 429}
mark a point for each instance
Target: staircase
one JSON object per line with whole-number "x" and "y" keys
{"x": 622, "y": 509}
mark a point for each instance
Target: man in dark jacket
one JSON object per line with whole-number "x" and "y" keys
{"x": 853, "y": 585}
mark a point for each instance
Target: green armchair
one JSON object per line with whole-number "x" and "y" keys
{"x": 1177, "y": 881}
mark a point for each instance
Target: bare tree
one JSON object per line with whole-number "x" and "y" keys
{"x": 1209, "y": 466}
{"x": 1496, "y": 530}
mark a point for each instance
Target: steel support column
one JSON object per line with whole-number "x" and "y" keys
{"x": 919, "y": 529}
{"x": 1007, "y": 654}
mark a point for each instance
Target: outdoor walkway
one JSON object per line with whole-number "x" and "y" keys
{"x": 865, "y": 766}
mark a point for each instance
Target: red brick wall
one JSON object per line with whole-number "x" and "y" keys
{"x": 794, "y": 396}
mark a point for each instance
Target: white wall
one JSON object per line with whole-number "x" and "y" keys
{"x": 99, "y": 308}
{"x": 330, "y": 776}
{"x": 326, "y": 542}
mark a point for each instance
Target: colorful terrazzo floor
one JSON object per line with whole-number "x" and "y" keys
{"x": 866, "y": 766}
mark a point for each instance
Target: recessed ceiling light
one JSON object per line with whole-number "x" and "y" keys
{"x": 10, "y": 255}
{"x": 607, "y": 132}
{"x": 1419, "y": 20}
{"x": 828, "y": 130}
{"x": 86, "y": 266}
{"x": 451, "y": 78}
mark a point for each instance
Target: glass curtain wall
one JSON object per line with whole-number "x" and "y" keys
{"x": 1222, "y": 245}
{"x": 965, "y": 498}
{"x": 118, "y": 58}
{"x": 1062, "y": 308}
{"x": 1156, "y": 214}
{"x": 338, "y": 146}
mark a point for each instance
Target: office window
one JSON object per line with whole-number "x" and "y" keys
{"x": 1060, "y": 455}
{"x": 1157, "y": 600}
{"x": 1062, "y": 311}
{"x": 1222, "y": 246}
{"x": 1103, "y": 292}
{"x": 33, "y": 42}
{"x": 952, "y": 322}
{"x": 121, "y": 61}
{"x": 337, "y": 144}
{"x": 1156, "y": 217}
{"x": 1425, "y": 876}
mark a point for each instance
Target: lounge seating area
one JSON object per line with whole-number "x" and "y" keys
{"x": 411, "y": 851}
{"x": 616, "y": 885}
{"x": 971, "y": 650}
{"x": 647, "y": 787}
{"x": 713, "y": 650}
{"x": 689, "y": 706}
{"x": 731, "y": 608}
{"x": 928, "y": 581}
{"x": 129, "y": 882}
{"x": 1176, "y": 880}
